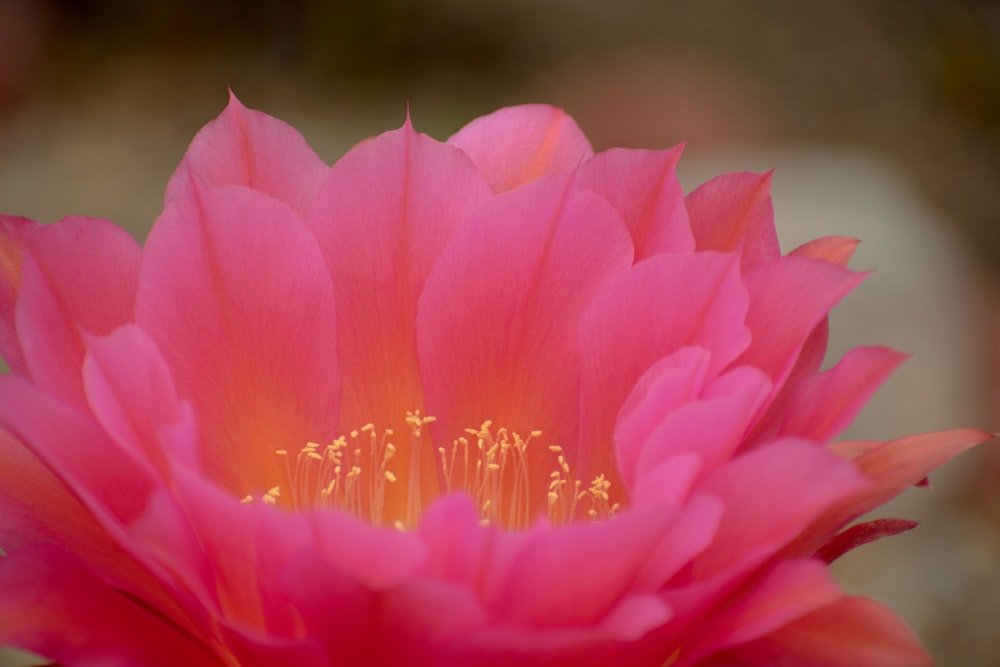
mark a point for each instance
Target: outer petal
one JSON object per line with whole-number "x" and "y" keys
{"x": 497, "y": 321}
{"x": 733, "y": 211}
{"x": 772, "y": 494}
{"x": 823, "y": 405}
{"x": 657, "y": 307}
{"x": 249, "y": 148}
{"x": 847, "y": 633}
{"x": 892, "y": 467}
{"x": 247, "y": 328}
{"x": 643, "y": 188}
{"x": 78, "y": 275}
{"x": 789, "y": 298}
{"x": 383, "y": 217}
{"x": 517, "y": 145}
{"x": 55, "y": 607}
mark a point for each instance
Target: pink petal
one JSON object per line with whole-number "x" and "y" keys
{"x": 790, "y": 591}
{"x": 78, "y": 276}
{"x": 713, "y": 427}
{"x": 665, "y": 387}
{"x": 823, "y": 405}
{"x": 249, "y": 148}
{"x": 55, "y": 607}
{"x": 657, "y": 307}
{"x": 849, "y": 632}
{"x": 542, "y": 587}
{"x": 789, "y": 298}
{"x": 77, "y": 450}
{"x": 383, "y": 218}
{"x": 771, "y": 494}
{"x": 497, "y": 321}
{"x": 132, "y": 394}
{"x": 517, "y": 145}
{"x": 734, "y": 212}
{"x": 248, "y": 330}
{"x": 644, "y": 189}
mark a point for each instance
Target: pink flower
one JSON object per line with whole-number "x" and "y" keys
{"x": 491, "y": 401}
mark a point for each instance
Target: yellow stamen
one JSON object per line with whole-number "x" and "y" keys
{"x": 488, "y": 464}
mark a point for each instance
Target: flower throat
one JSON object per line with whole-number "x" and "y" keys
{"x": 355, "y": 473}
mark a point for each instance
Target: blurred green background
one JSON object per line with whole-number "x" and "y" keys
{"x": 881, "y": 116}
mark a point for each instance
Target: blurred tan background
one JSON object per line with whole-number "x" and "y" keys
{"x": 881, "y": 117}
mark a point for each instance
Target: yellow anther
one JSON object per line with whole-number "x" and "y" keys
{"x": 390, "y": 477}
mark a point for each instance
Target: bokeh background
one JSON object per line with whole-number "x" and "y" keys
{"x": 881, "y": 119}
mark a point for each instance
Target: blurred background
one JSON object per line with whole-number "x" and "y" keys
{"x": 880, "y": 117}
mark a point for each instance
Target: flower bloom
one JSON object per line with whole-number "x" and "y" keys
{"x": 492, "y": 401}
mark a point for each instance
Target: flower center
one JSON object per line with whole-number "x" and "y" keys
{"x": 354, "y": 474}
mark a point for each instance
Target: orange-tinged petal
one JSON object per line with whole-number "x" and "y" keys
{"x": 517, "y": 145}
{"x": 497, "y": 322}
{"x": 734, "y": 212}
{"x": 383, "y": 218}
{"x": 248, "y": 330}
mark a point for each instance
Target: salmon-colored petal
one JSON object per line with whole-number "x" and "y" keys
{"x": 643, "y": 187}
{"x": 248, "y": 330}
{"x": 56, "y": 607}
{"x": 734, "y": 212}
{"x": 655, "y": 308}
{"x": 834, "y": 249}
{"x": 823, "y": 405}
{"x": 849, "y": 632}
{"x": 497, "y": 321}
{"x": 78, "y": 276}
{"x": 517, "y": 145}
{"x": 383, "y": 218}
{"x": 249, "y": 148}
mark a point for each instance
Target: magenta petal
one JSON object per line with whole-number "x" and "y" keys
{"x": 497, "y": 321}
{"x": 249, "y": 148}
{"x": 255, "y": 281}
{"x": 541, "y": 587}
{"x": 55, "y": 607}
{"x": 517, "y": 145}
{"x": 655, "y": 308}
{"x": 771, "y": 494}
{"x": 789, "y": 298}
{"x": 79, "y": 276}
{"x": 792, "y": 590}
{"x": 823, "y": 405}
{"x": 734, "y": 212}
{"x": 132, "y": 394}
{"x": 644, "y": 189}
{"x": 668, "y": 385}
